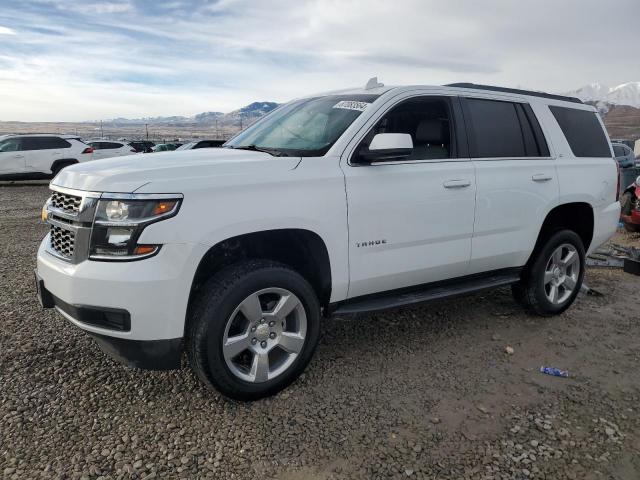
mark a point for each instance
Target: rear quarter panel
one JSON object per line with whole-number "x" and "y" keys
{"x": 584, "y": 179}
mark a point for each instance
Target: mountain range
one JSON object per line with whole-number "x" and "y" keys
{"x": 625, "y": 94}
{"x": 238, "y": 118}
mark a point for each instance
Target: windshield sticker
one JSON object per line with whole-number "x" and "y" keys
{"x": 352, "y": 105}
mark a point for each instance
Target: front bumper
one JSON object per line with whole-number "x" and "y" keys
{"x": 135, "y": 310}
{"x": 145, "y": 354}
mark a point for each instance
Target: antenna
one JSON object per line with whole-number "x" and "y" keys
{"x": 373, "y": 83}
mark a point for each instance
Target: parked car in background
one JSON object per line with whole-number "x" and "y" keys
{"x": 624, "y": 155}
{"x": 24, "y": 157}
{"x": 166, "y": 147}
{"x": 630, "y": 202}
{"x": 110, "y": 148}
{"x": 201, "y": 144}
{"x": 340, "y": 203}
{"x": 142, "y": 146}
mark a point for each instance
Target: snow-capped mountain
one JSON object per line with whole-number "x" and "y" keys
{"x": 625, "y": 94}
{"x": 244, "y": 115}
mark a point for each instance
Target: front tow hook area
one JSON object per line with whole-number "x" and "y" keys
{"x": 44, "y": 297}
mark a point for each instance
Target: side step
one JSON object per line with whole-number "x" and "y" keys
{"x": 427, "y": 292}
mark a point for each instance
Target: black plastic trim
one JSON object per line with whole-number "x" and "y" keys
{"x": 143, "y": 354}
{"x": 116, "y": 319}
{"x": 517, "y": 91}
{"x": 427, "y": 292}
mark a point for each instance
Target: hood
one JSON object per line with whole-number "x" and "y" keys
{"x": 129, "y": 173}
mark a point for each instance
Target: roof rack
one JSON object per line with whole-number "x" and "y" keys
{"x": 515, "y": 90}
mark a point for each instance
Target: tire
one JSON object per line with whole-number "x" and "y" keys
{"x": 218, "y": 317}
{"x": 626, "y": 203}
{"x": 631, "y": 227}
{"x": 536, "y": 295}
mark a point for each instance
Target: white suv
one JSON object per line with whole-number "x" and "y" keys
{"x": 39, "y": 156}
{"x": 110, "y": 148}
{"x": 347, "y": 202}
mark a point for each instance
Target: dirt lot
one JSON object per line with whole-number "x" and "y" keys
{"x": 426, "y": 392}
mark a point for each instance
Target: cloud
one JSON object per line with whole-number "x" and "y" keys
{"x": 6, "y": 31}
{"x": 78, "y": 59}
{"x": 105, "y": 7}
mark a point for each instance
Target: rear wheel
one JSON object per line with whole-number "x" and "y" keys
{"x": 553, "y": 280}
{"x": 254, "y": 328}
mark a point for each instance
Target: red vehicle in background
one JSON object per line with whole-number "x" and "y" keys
{"x": 630, "y": 202}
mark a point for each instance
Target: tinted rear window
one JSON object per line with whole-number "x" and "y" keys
{"x": 44, "y": 143}
{"x": 496, "y": 129}
{"x": 583, "y": 132}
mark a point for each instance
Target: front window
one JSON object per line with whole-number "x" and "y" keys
{"x": 306, "y": 128}
{"x": 10, "y": 145}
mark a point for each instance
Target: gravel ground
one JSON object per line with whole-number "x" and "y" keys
{"x": 427, "y": 392}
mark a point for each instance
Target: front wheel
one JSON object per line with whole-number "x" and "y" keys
{"x": 553, "y": 280}
{"x": 254, "y": 328}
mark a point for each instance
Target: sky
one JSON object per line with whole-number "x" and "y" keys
{"x": 75, "y": 60}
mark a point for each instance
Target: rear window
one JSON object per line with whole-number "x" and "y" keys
{"x": 583, "y": 132}
{"x": 43, "y": 143}
{"x": 619, "y": 151}
{"x": 105, "y": 145}
{"x": 500, "y": 129}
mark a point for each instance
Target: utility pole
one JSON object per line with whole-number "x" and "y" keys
{"x": 146, "y": 127}
{"x": 241, "y": 127}
{"x": 101, "y": 132}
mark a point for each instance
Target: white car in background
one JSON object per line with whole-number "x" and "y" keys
{"x": 32, "y": 157}
{"x": 111, "y": 148}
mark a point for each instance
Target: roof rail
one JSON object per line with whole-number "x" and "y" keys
{"x": 515, "y": 90}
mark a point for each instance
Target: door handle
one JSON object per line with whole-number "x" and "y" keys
{"x": 19, "y": 156}
{"x": 541, "y": 177}
{"x": 456, "y": 183}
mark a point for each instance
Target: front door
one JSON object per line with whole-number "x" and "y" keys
{"x": 12, "y": 159}
{"x": 411, "y": 220}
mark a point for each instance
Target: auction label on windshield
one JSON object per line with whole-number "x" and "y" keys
{"x": 352, "y": 105}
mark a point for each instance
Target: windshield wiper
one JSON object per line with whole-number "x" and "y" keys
{"x": 271, "y": 151}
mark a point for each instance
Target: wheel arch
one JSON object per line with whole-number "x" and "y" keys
{"x": 301, "y": 249}
{"x": 575, "y": 216}
{"x": 63, "y": 161}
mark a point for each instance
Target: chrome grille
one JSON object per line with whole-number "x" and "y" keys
{"x": 65, "y": 202}
{"x": 62, "y": 241}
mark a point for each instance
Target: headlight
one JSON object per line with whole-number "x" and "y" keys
{"x": 119, "y": 223}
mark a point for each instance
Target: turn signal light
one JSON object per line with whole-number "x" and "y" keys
{"x": 164, "y": 207}
{"x": 144, "y": 249}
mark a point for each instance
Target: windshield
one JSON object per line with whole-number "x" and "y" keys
{"x": 307, "y": 127}
{"x": 186, "y": 146}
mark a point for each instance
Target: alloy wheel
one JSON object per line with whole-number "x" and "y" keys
{"x": 264, "y": 335}
{"x": 561, "y": 273}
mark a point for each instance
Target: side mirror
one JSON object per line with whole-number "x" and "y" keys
{"x": 388, "y": 146}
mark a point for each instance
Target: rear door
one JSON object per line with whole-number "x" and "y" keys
{"x": 99, "y": 150}
{"x": 42, "y": 152}
{"x": 516, "y": 181}
{"x": 12, "y": 158}
{"x": 410, "y": 221}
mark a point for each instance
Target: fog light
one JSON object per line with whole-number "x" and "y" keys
{"x": 118, "y": 237}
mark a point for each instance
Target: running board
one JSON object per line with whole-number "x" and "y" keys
{"x": 428, "y": 292}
